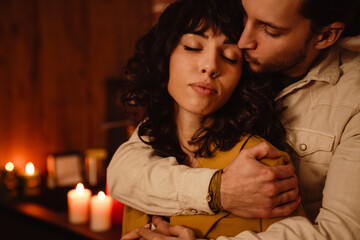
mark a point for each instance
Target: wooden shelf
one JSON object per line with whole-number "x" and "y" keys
{"x": 20, "y": 218}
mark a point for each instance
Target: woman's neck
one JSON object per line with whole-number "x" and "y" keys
{"x": 187, "y": 124}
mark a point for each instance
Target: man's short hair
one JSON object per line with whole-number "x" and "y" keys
{"x": 324, "y": 12}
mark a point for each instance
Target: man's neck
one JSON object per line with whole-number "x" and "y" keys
{"x": 281, "y": 82}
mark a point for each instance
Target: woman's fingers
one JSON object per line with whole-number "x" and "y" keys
{"x": 182, "y": 232}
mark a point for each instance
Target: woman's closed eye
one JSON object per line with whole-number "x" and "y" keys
{"x": 230, "y": 54}
{"x": 230, "y": 60}
{"x": 192, "y": 48}
{"x": 226, "y": 56}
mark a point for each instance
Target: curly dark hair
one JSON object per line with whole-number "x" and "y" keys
{"x": 251, "y": 109}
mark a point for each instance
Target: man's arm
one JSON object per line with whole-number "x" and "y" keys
{"x": 339, "y": 216}
{"x": 161, "y": 186}
{"x": 156, "y": 185}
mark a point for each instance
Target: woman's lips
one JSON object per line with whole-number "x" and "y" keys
{"x": 203, "y": 88}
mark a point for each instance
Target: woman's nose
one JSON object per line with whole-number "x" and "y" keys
{"x": 212, "y": 74}
{"x": 210, "y": 65}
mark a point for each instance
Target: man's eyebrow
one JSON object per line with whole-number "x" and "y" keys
{"x": 273, "y": 25}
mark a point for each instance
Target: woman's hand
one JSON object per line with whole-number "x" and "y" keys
{"x": 163, "y": 231}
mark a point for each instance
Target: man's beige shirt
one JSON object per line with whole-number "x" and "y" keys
{"x": 323, "y": 125}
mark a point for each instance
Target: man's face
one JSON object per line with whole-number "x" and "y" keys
{"x": 276, "y": 38}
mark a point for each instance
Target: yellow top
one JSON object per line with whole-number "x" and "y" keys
{"x": 222, "y": 223}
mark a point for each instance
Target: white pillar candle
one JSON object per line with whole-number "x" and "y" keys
{"x": 100, "y": 212}
{"x": 78, "y": 204}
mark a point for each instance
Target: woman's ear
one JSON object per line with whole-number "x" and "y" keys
{"x": 328, "y": 35}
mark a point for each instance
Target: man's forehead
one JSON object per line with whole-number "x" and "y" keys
{"x": 277, "y": 12}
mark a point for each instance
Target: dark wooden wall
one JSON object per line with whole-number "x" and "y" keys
{"x": 55, "y": 57}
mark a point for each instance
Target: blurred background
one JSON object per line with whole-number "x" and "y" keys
{"x": 60, "y": 64}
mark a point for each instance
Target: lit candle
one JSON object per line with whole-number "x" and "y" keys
{"x": 9, "y": 167}
{"x": 100, "y": 212}
{"x": 78, "y": 204}
{"x": 9, "y": 187}
{"x": 32, "y": 180}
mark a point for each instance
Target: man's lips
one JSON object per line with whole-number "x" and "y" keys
{"x": 250, "y": 59}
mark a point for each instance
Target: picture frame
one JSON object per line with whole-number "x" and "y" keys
{"x": 65, "y": 169}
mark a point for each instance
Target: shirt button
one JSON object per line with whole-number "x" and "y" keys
{"x": 303, "y": 147}
{"x": 193, "y": 211}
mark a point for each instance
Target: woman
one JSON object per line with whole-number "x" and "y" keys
{"x": 185, "y": 78}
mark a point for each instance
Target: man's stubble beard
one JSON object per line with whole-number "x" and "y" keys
{"x": 279, "y": 64}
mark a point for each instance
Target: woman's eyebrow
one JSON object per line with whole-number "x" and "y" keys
{"x": 200, "y": 33}
{"x": 205, "y": 36}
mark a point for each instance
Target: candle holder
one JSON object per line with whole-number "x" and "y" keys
{"x": 31, "y": 182}
{"x": 95, "y": 166}
{"x": 9, "y": 183}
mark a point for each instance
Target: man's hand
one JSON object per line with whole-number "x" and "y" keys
{"x": 251, "y": 189}
{"x": 163, "y": 231}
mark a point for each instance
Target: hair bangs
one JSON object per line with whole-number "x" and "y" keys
{"x": 194, "y": 17}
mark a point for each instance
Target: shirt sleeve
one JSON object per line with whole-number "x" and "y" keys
{"x": 339, "y": 216}
{"x": 351, "y": 43}
{"x": 156, "y": 185}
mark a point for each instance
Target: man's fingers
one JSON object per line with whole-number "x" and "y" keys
{"x": 262, "y": 150}
{"x": 286, "y": 197}
{"x": 285, "y": 185}
{"x": 286, "y": 209}
{"x": 284, "y": 171}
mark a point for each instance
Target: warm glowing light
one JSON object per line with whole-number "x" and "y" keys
{"x": 80, "y": 188}
{"x": 101, "y": 195}
{"x": 9, "y": 166}
{"x": 29, "y": 168}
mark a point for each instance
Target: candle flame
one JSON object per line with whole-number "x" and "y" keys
{"x": 101, "y": 195}
{"x": 80, "y": 188}
{"x": 9, "y": 166}
{"x": 29, "y": 168}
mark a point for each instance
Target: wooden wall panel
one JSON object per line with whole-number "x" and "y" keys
{"x": 55, "y": 57}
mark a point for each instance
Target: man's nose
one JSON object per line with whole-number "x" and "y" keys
{"x": 247, "y": 39}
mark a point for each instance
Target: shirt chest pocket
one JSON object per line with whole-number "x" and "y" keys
{"x": 307, "y": 141}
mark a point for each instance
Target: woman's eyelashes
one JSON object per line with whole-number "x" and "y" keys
{"x": 192, "y": 49}
{"x": 195, "y": 49}
{"x": 230, "y": 60}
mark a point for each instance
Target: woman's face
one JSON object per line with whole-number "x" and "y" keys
{"x": 204, "y": 71}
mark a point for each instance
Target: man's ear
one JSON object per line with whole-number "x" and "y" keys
{"x": 328, "y": 35}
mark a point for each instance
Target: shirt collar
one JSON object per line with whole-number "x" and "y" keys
{"x": 326, "y": 69}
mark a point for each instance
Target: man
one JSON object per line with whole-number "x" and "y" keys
{"x": 319, "y": 83}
